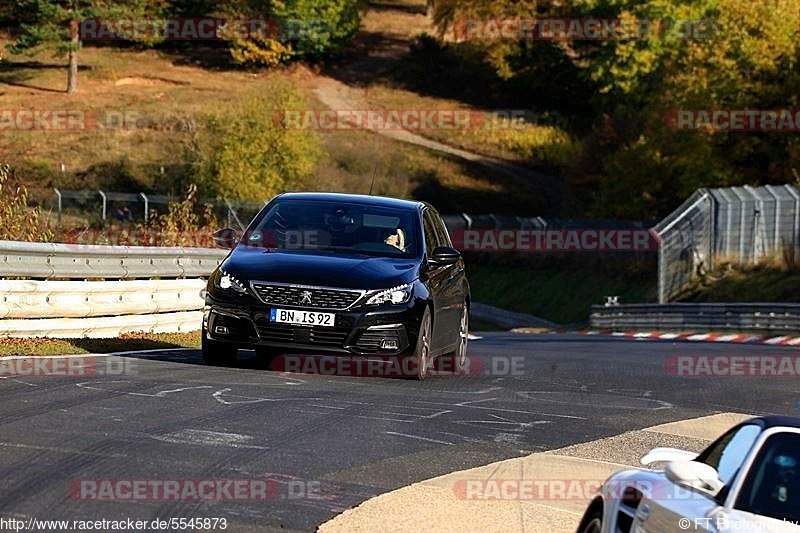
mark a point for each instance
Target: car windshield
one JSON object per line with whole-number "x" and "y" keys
{"x": 336, "y": 227}
{"x": 772, "y": 487}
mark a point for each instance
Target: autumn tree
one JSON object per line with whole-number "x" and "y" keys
{"x": 698, "y": 54}
{"x": 55, "y": 24}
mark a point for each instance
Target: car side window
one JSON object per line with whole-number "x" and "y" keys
{"x": 431, "y": 239}
{"x": 441, "y": 229}
{"x": 772, "y": 486}
{"x": 727, "y": 454}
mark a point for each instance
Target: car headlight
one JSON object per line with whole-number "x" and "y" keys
{"x": 228, "y": 282}
{"x": 396, "y": 295}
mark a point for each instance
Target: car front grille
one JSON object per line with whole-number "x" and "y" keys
{"x": 309, "y": 335}
{"x": 309, "y": 297}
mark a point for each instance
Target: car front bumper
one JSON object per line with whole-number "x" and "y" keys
{"x": 381, "y": 330}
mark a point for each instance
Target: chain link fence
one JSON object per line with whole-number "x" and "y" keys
{"x": 741, "y": 225}
{"x": 106, "y": 206}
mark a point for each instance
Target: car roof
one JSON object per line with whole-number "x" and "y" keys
{"x": 773, "y": 421}
{"x": 365, "y": 199}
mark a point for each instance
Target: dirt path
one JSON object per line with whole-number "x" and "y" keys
{"x": 384, "y": 37}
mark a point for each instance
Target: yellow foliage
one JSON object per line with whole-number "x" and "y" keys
{"x": 18, "y": 222}
{"x": 260, "y": 50}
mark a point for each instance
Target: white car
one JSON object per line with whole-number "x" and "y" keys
{"x": 747, "y": 480}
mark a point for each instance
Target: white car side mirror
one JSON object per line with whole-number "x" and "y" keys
{"x": 694, "y": 475}
{"x": 665, "y": 455}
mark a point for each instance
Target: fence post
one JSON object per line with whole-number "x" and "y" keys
{"x": 711, "y": 246}
{"x": 741, "y": 223}
{"x": 662, "y": 286}
{"x": 796, "y": 196}
{"x": 105, "y": 204}
{"x": 146, "y": 208}
{"x": 776, "y": 232}
{"x": 233, "y": 215}
{"x": 60, "y": 205}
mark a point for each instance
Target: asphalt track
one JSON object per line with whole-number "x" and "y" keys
{"x": 165, "y": 416}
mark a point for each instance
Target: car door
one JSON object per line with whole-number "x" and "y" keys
{"x": 435, "y": 278}
{"x": 452, "y": 290}
{"x": 672, "y": 506}
{"x": 457, "y": 288}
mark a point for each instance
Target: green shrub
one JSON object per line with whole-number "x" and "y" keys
{"x": 318, "y": 27}
{"x": 247, "y": 154}
{"x": 307, "y": 29}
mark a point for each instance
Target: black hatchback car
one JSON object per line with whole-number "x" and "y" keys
{"x": 340, "y": 274}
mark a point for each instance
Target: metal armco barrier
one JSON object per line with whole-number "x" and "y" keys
{"x": 80, "y": 299}
{"x": 83, "y": 261}
{"x": 102, "y": 327}
{"x": 144, "y": 289}
{"x": 689, "y": 317}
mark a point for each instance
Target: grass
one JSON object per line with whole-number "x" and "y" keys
{"x": 82, "y": 346}
{"x": 488, "y": 134}
{"x": 353, "y": 157}
{"x": 764, "y": 282}
{"x": 175, "y": 96}
{"x": 145, "y": 84}
{"x": 559, "y": 294}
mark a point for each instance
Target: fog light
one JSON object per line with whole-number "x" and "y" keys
{"x": 221, "y": 330}
{"x": 388, "y": 344}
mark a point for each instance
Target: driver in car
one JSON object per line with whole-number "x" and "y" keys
{"x": 397, "y": 239}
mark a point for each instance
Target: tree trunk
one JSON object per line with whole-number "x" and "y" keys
{"x": 72, "y": 75}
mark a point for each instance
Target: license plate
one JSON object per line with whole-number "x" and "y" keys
{"x": 302, "y": 318}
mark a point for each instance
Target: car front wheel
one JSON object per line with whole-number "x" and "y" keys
{"x": 592, "y": 521}
{"x": 422, "y": 350}
{"x": 456, "y": 361}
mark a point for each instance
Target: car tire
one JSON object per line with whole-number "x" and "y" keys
{"x": 592, "y": 521}
{"x": 422, "y": 350}
{"x": 456, "y": 361}
{"x": 217, "y": 353}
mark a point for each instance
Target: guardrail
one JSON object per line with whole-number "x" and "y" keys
{"x": 688, "y": 317}
{"x": 90, "y": 261}
{"x": 82, "y": 299}
{"x": 144, "y": 289}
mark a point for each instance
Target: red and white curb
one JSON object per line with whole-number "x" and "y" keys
{"x": 738, "y": 338}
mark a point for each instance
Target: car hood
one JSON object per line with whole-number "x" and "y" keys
{"x": 320, "y": 268}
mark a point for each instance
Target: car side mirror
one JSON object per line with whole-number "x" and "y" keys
{"x": 226, "y": 238}
{"x": 666, "y": 455}
{"x": 444, "y": 255}
{"x": 695, "y": 475}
